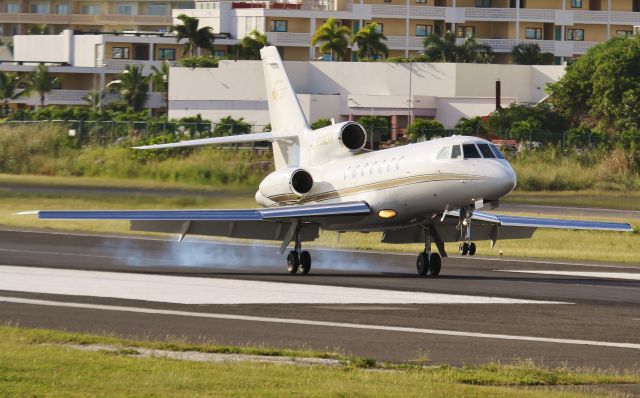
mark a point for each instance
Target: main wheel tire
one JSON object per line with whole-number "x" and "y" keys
{"x": 292, "y": 262}
{"x": 422, "y": 264}
{"x": 472, "y": 249}
{"x": 463, "y": 249}
{"x": 435, "y": 264}
{"x": 305, "y": 262}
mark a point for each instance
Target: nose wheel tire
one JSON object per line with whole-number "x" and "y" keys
{"x": 305, "y": 262}
{"x": 293, "y": 263}
{"x": 467, "y": 248}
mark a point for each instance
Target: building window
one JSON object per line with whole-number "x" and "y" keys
{"x": 624, "y": 33}
{"x": 483, "y": 3}
{"x": 157, "y": 9}
{"x": 576, "y": 3}
{"x": 421, "y": 1}
{"x": 387, "y": 1}
{"x": 278, "y": 25}
{"x": 466, "y": 31}
{"x": 424, "y": 30}
{"x": 533, "y": 33}
{"x": 93, "y": 9}
{"x": 120, "y": 53}
{"x": 185, "y": 6}
{"x": 218, "y": 53}
{"x": 39, "y": 8}
{"x": 12, "y": 7}
{"x": 168, "y": 54}
{"x": 125, "y": 9}
{"x": 575, "y": 34}
{"x": 62, "y": 9}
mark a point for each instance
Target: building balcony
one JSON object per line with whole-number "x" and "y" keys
{"x": 84, "y": 19}
{"x": 78, "y": 97}
{"x": 289, "y": 39}
{"x": 119, "y": 65}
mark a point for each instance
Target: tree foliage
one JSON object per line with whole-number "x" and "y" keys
{"x": 160, "y": 80}
{"x": 473, "y": 126}
{"x": 40, "y": 81}
{"x": 602, "y": 88}
{"x": 334, "y": 39}
{"x": 444, "y": 48}
{"x": 320, "y": 123}
{"x": 132, "y": 87}
{"x": 370, "y": 42}
{"x": 199, "y": 62}
{"x": 230, "y": 126}
{"x": 424, "y": 129}
{"x": 250, "y": 45}
{"x": 195, "y": 37}
{"x": 530, "y": 54}
{"x": 540, "y": 122}
{"x": 10, "y": 88}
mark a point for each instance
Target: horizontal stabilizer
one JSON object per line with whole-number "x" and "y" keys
{"x": 513, "y": 221}
{"x": 233, "y": 139}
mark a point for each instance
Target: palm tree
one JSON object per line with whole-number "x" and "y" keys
{"x": 334, "y": 39}
{"x": 250, "y": 45}
{"x": 370, "y": 42}
{"x": 41, "y": 81}
{"x": 473, "y": 52}
{"x": 9, "y": 85}
{"x": 132, "y": 87}
{"x": 39, "y": 29}
{"x": 526, "y": 54}
{"x": 441, "y": 48}
{"x": 160, "y": 80}
{"x": 195, "y": 37}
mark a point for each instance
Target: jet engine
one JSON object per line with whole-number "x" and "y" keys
{"x": 284, "y": 185}
{"x": 338, "y": 140}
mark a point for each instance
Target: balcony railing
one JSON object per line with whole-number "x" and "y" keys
{"x": 84, "y": 19}
{"x": 289, "y": 39}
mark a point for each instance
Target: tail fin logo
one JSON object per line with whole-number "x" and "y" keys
{"x": 279, "y": 90}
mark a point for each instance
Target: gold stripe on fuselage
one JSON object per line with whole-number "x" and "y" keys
{"x": 376, "y": 186}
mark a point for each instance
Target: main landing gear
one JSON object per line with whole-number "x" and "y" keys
{"x": 428, "y": 263}
{"x": 297, "y": 258}
{"x": 464, "y": 225}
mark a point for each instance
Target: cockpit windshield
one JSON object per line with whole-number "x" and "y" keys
{"x": 470, "y": 151}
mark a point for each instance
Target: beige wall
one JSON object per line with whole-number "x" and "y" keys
{"x": 592, "y": 32}
{"x": 296, "y": 54}
{"x": 77, "y": 81}
{"x": 392, "y": 27}
{"x": 524, "y": 25}
{"x": 413, "y": 23}
{"x": 616, "y": 28}
{"x": 620, "y": 5}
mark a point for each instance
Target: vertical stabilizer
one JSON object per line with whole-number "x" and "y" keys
{"x": 284, "y": 109}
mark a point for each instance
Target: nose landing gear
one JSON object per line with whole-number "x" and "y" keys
{"x": 464, "y": 225}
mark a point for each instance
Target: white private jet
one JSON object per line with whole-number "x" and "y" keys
{"x": 324, "y": 179}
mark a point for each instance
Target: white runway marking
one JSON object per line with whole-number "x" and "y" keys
{"x": 604, "y": 275}
{"x": 306, "y": 322}
{"x": 196, "y": 290}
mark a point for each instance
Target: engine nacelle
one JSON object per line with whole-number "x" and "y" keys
{"x": 338, "y": 140}
{"x": 289, "y": 184}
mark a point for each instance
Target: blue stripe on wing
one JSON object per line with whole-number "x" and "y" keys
{"x": 337, "y": 209}
{"x": 514, "y": 221}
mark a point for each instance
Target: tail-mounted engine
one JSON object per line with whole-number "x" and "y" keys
{"x": 338, "y": 140}
{"x": 284, "y": 185}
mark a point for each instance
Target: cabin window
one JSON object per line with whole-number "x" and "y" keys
{"x": 456, "y": 153}
{"x": 470, "y": 151}
{"x": 497, "y": 152}
{"x": 486, "y": 151}
{"x": 445, "y": 153}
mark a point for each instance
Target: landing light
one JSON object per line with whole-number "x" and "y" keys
{"x": 387, "y": 213}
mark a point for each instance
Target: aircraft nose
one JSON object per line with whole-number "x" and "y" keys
{"x": 503, "y": 180}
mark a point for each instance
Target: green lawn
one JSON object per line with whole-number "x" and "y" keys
{"x": 39, "y": 363}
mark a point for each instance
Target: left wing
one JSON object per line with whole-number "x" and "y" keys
{"x": 275, "y": 223}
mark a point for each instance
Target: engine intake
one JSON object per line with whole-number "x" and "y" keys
{"x": 301, "y": 182}
{"x": 353, "y": 136}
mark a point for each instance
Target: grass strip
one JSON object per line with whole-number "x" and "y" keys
{"x": 39, "y": 363}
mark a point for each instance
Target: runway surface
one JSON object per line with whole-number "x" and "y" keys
{"x": 363, "y": 303}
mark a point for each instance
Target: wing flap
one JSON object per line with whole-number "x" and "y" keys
{"x": 532, "y": 222}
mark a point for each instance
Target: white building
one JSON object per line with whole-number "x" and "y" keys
{"x": 346, "y": 90}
